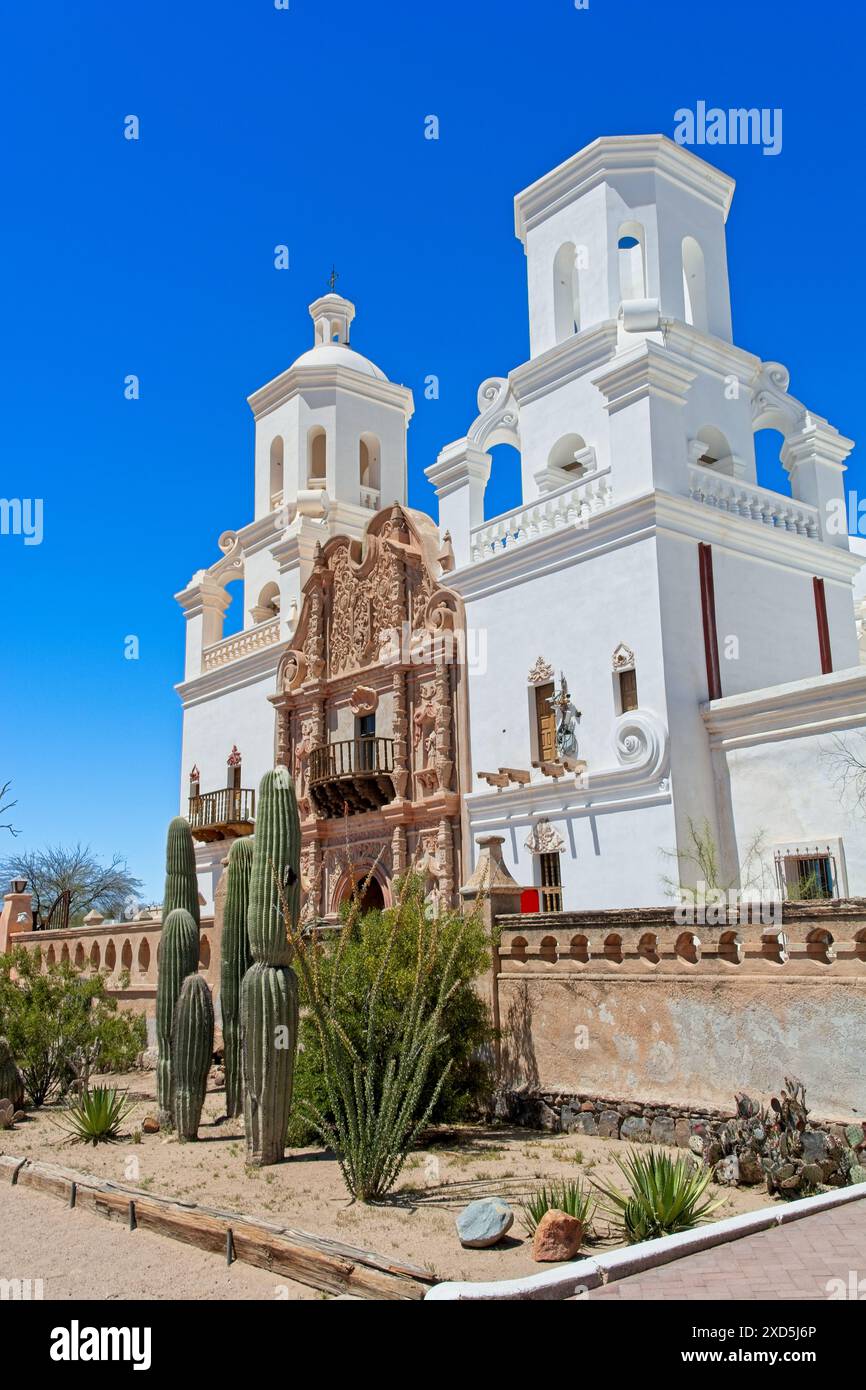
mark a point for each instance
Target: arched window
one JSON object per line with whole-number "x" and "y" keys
{"x": 562, "y": 455}
{"x": 716, "y": 447}
{"x": 694, "y": 285}
{"x": 632, "y": 261}
{"x": 268, "y": 606}
{"x": 369, "y": 452}
{"x": 317, "y": 445}
{"x": 277, "y": 456}
{"x": 566, "y": 293}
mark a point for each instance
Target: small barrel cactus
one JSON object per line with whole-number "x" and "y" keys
{"x": 269, "y": 994}
{"x": 191, "y": 1054}
{"x": 9, "y": 1116}
{"x": 178, "y": 957}
{"x": 181, "y": 882}
{"x": 236, "y": 961}
{"x": 11, "y": 1080}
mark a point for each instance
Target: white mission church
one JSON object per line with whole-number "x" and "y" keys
{"x": 651, "y": 640}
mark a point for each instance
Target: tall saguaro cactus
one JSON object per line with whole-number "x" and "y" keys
{"x": 191, "y": 1054}
{"x": 236, "y": 961}
{"x": 178, "y": 957}
{"x": 269, "y": 995}
{"x": 181, "y": 882}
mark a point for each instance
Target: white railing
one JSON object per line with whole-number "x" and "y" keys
{"x": 752, "y": 502}
{"x": 253, "y": 639}
{"x": 370, "y": 498}
{"x": 571, "y": 505}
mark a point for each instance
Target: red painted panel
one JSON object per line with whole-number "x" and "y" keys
{"x": 529, "y": 900}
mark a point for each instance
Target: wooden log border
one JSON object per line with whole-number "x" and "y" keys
{"x": 318, "y": 1261}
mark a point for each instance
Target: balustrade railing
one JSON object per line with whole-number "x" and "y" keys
{"x": 755, "y": 503}
{"x": 571, "y": 505}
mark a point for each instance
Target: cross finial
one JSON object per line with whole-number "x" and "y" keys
{"x": 333, "y": 278}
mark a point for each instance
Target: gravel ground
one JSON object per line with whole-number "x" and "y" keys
{"x": 79, "y": 1255}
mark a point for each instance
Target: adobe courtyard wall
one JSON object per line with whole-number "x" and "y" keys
{"x": 636, "y": 1006}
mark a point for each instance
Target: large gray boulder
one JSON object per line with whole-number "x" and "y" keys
{"x": 484, "y": 1222}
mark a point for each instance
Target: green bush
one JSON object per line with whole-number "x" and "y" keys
{"x": 664, "y": 1195}
{"x": 396, "y": 936}
{"x": 62, "y": 1025}
{"x": 391, "y": 1015}
{"x": 570, "y": 1197}
{"x": 96, "y": 1115}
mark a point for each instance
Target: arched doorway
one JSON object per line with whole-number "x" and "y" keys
{"x": 371, "y": 895}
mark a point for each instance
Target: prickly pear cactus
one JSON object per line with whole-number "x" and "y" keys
{"x": 181, "y": 882}
{"x": 9, "y": 1116}
{"x": 178, "y": 957}
{"x": 236, "y": 961}
{"x": 269, "y": 995}
{"x": 191, "y": 1054}
{"x": 11, "y": 1080}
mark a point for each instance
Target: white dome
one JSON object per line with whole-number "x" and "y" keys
{"x": 339, "y": 355}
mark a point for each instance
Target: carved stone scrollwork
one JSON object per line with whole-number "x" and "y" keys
{"x": 540, "y": 673}
{"x": 498, "y": 422}
{"x": 640, "y": 742}
{"x": 543, "y": 839}
{"x": 623, "y": 658}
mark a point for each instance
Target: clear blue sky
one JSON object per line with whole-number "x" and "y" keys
{"x": 305, "y": 127}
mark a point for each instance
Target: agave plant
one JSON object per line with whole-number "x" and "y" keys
{"x": 95, "y": 1116}
{"x": 664, "y": 1197}
{"x": 571, "y": 1197}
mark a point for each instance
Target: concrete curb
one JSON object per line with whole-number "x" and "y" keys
{"x": 567, "y": 1280}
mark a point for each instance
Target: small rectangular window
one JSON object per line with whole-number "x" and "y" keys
{"x": 806, "y": 876}
{"x": 627, "y": 690}
{"x": 366, "y": 735}
{"x": 551, "y": 883}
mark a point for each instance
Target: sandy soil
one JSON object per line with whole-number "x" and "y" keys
{"x": 416, "y": 1222}
{"x": 79, "y": 1255}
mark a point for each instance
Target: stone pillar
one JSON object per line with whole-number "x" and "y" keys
{"x": 401, "y": 735}
{"x": 444, "y": 754}
{"x": 399, "y": 858}
{"x": 445, "y": 855}
{"x": 644, "y": 390}
{"x": 815, "y": 462}
{"x": 460, "y": 476}
{"x": 15, "y": 905}
{"x": 204, "y": 604}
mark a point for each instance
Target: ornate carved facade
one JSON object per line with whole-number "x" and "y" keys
{"x": 368, "y": 707}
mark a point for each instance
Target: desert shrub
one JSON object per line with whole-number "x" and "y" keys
{"x": 664, "y": 1197}
{"x": 571, "y": 1197}
{"x": 62, "y": 1025}
{"x": 396, "y": 937}
{"x": 391, "y": 1024}
{"x": 95, "y": 1116}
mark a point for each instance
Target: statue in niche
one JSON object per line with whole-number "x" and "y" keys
{"x": 567, "y": 718}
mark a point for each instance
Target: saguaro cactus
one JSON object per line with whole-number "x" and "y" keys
{"x": 181, "y": 883}
{"x": 236, "y": 961}
{"x": 269, "y": 995}
{"x": 178, "y": 957}
{"x": 191, "y": 1054}
{"x": 11, "y": 1080}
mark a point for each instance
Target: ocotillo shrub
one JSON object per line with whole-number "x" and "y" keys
{"x": 181, "y": 883}
{"x": 178, "y": 957}
{"x": 269, "y": 995}
{"x": 382, "y": 1088}
{"x": 191, "y": 1054}
{"x": 236, "y": 961}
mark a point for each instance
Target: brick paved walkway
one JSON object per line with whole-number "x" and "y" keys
{"x": 794, "y": 1261}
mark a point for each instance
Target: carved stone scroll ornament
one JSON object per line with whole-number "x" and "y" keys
{"x": 543, "y": 839}
{"x": 364, "y": 700}
{"x": 623, "y": 658}
{"x": 540, "y": 673}
{"x": 499, "y": 420}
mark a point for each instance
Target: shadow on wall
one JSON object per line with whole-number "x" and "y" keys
{"x": 519, "y": 1064}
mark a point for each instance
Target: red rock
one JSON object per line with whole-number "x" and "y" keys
{"x": 558, "y": 1236}
{"x": 150, "y": 1125}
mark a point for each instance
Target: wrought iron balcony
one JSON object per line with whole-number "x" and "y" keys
{"x": 353, "y": 774}
{"x": 229, "y": 811}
